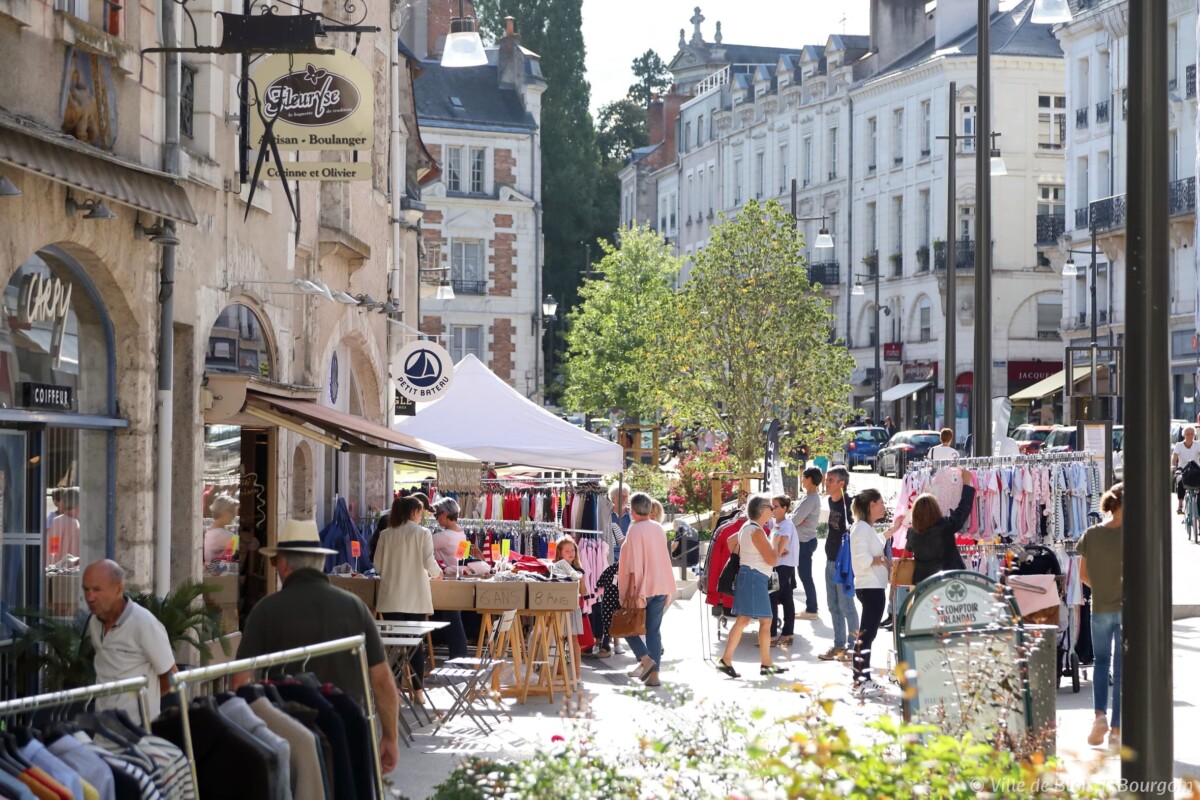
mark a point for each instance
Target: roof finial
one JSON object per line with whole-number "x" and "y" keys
{"x": 682, "y": 39}
{"x": 718, "y": 37}
{"x": 696, "y": 19}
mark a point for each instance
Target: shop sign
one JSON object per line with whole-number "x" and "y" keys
{"x": 920, "y": 371}
{"x": 46, "y": 298}
{"x": 955, "y": 601}
{"x": 404, "y": 406}
{"x": 47, "y": 396}
{"x": 318, "y": 102}
{"x": 322, "y": 171}
{"x": 425, "y": 371}
{"x": 1026, "y": 373}
{"x": 892, "y": 351}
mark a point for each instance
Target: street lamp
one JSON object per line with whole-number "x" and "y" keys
{"x": 464, "y": 46}
{"x": 549, "y": 313}
{"x": 857, "y": 291}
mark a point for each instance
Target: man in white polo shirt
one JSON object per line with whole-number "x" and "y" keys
{"x": 129, "y": 641}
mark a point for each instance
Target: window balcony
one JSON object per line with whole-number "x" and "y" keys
{"x": 1101, "y": 112}
{"x": 1182, "y": 198}
{"x": 1049, "y": 228}
{"x": 1109, "y": 213}
{"x": 469, "y": 287}
{"x": 1081, "y": 218}
{"x": 1189, "y": 80}
{"x": 1081, "y": 118}
{"x": 964, "y": 255}
{"x": 826, "y": 273}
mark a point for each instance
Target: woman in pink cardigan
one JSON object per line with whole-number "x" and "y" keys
{"x": 645, "y": 579}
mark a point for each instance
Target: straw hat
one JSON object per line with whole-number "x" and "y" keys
{"x": 298, "y": 536}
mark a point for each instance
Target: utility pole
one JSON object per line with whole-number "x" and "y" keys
{"x": 981, "y": 392}
{"x": 950, "y": 378}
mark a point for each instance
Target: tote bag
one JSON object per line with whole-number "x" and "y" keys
{"x": 627, "y": 622}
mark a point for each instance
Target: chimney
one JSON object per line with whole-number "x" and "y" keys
{"x": 899, "y": 26}
{"x": 671, "y": 105}
{"x": 437, "y": 22}
{"x": 655, "y": 123}
{"x": 510, "y": 62}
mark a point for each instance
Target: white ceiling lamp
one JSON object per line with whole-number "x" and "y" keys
{"x": 464, "y": 47}
{"x": 1050, "y": 12}
{"x": 1069, "y": 268}
{"x": 445, "y": 290}
{"x": 824, "y": 239}
{"x": 997, "y": 163}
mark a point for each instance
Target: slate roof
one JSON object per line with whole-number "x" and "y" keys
{"x": 481, "y": 100}
{"x": 752, "y": 54}
{"x": 1011, "y": 34}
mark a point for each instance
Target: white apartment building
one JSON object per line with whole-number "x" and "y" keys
{"x": 482, "y": 220}
{"x": 900, "y": 209}
{"x": 858, "y": 118}
{"x": 1096, "y": 48}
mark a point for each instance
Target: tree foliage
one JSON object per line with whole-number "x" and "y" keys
{"x": 748, "y": 340}
{"x": 620, "y": 130}
{"x": 612, "y": 331}
{"x": 652, "y": 78}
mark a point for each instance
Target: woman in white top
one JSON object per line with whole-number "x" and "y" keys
{"x": 405, "y": 563}
{"x": 870, "y": 580}
{"x": 751, "y": 600}
{"x": 787, "y": 545}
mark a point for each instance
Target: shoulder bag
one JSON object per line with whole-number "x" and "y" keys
{"x": 728, "y": 578}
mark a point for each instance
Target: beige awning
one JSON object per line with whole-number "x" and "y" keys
{"x": 68, "y": 161}
{"x": 1048, "y": 386}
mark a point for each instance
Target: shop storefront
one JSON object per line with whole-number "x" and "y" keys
{"x": 58, "y": 418}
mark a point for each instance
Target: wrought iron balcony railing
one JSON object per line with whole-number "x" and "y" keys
{"x": 826, "y": 273}
{"x": 1081, "y": 118}
{"x": 1101, "y": 112}
{"x": 1182, "y": 198}
{"x": 964, "y": 254}
{"x": 1049, "y": 228}
{"x": 468, "y": 287}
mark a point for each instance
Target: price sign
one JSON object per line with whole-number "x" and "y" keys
{"x": 504, "y": 547}
{"x": 553, "y": 553}
{"x": 495, "y": 552}
{"x": 355, "y": 549}
{"x": 55, "y": 543}
{"x": 464, "y": 547}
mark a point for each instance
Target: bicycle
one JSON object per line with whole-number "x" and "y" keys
{"x": 1191, "y": 514}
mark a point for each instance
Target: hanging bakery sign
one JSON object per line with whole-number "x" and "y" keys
{"x": 316, "y": 102}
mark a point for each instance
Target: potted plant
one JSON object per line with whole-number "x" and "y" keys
{"x": 923, "y": 257}
{"x": 939, "y": 254}
{"x": 871, "y": 261}
{"x": 897, "y": 262}
{"x": 57, "y": 649}
{"x": 187, "y": 620}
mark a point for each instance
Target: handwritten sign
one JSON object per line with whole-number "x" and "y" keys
{"x": 495, "y": 552}
{"x": 504, "y": 548}
{"x": 552, "y": 554}
{"x": 55, "y": 544}
{"x": 355, "y": 549}
{"x": 500, "y": 596}
{"x": 464, "y": 547}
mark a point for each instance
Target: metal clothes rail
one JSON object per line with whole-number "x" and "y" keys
{"x": 1000, "y": 461}
{"x": 83, "y": 693}
{"x": 355, "y": 644}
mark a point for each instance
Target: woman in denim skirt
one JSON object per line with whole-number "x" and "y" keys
{"x": 751, "y": 598}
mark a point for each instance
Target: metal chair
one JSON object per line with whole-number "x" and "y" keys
{"x": 467, "y": 678}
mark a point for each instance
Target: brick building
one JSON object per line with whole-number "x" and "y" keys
{"x": 482, "y": 221}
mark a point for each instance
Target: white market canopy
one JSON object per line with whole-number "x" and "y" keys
{"x": 483, "y": 416}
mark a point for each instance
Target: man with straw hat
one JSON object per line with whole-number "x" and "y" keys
{"x": 309, "y": 610}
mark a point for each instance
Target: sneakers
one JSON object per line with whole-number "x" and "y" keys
{"x": 602, "y": 652}
{"x": 807, "y": 615}
{"x": 1099, "y": 729}
{"x": 833, "y": 654}
{"x": 888, "y": 623}
{"x": 846, "y": 656}
{"x": 867, "y": 688}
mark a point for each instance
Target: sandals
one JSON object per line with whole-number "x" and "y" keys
{"x": 769, "y": 670}
{"x": 728, "y": 670}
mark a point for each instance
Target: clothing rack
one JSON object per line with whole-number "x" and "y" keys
{"x": 511, "y": 523}
{"x": 83, "y": 693}
{"x": 997, "y": 461}
{"x": 356, "y": 644}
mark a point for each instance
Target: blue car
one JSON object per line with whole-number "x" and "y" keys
{"x": 862, "y": 445}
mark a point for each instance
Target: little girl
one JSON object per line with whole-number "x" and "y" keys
{"x": 568, "y": 551}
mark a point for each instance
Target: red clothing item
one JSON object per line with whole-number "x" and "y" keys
{"x": 717, "y": 561}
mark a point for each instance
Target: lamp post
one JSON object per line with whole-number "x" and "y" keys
{"x": 857, "y": 291}
{"x": 981, "y": 394}
{"x": 546, "y": 320}
{"x": 1070, "y": 270}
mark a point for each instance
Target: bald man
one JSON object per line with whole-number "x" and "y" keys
{"x": 129, "y": 641}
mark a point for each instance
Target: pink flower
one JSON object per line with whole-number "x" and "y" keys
{"x": 557, "y": 738}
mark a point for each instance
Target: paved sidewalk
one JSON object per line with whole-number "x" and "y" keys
{"x": 691, "y": 645}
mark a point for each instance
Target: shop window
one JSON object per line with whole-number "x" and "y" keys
{"x": 238, "y": 343}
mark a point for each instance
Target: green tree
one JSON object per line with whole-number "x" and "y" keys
{"x": 570, "y": 159}
{"x": 749, "y": 340}
{"x": 652, "y": 78}
{"x": 611, "y": 332}
{"x": 620, "y": 130}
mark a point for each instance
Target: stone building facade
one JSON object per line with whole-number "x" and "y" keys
{"x": 268, "y": 307}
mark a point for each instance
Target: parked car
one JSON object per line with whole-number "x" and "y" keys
{"x": 862, "y": 445}
{"x": 1062, "y": 440}
{"x": 1029, "y": 438}
{"x": 904, "y": 448}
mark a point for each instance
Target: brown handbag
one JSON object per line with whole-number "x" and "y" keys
{"x": 628, "y": 622}
{"x": 902, "y": 571}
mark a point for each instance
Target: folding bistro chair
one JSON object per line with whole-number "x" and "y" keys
{"x": 467, "y": 678}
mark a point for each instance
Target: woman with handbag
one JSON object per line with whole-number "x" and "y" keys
{"x": 932, "y": 536}
{"x": 870, "y": 580}
{"x": 751, "y": 592}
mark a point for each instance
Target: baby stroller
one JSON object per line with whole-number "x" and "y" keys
{"x": 1038, "y": 560}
